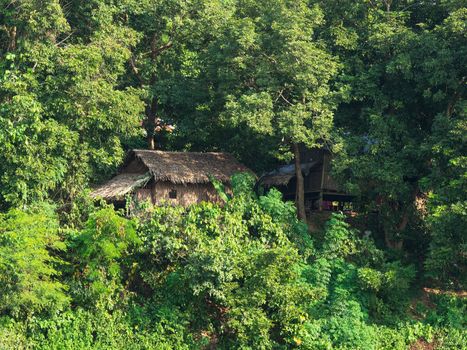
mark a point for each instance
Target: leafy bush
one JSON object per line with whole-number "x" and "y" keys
{"x": 98, "y": 329}
{"x": 446, "y": 262}
{"x": 446, "y": 259}
{"x": 29, "y": 243}
{"x": 13, "y": 335}
{"x": 97, "y": 252}
{"x": 242, "y": 275}
{"x": 450, "y": 311}
{"x": 235, "y": 267}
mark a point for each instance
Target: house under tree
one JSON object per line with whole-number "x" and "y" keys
{"x": 181, "y": 178}
{"x": 321, "y": 191}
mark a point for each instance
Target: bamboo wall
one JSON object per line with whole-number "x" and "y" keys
{"x": 186, "y": 194}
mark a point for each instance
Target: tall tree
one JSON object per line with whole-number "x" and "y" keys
{"x": 164, "y": 29}
{"x": 276, "y": 77}
{"x": 62, "y": 113}
{"x": 404, "y": 63}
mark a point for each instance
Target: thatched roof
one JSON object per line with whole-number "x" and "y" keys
{"x": 175, "y": 167}
{"x": 189, "y": 167}
{"x": 282, "y": 175}
{"x": 120, "y": 185}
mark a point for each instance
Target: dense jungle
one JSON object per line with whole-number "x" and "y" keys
{"x": 380, "y": 84}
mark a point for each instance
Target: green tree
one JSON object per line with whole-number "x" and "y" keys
{"x": 97, "y": 253}
{"x": 63, "y": 115}
{"x": 30, "y": 263}
{"x": 404, "y": 64}
{"x": 234, "y": 269}
{"x": 447, "y": 201}
{"x": 275, "y": 77}
{"x": 161, "y": 63}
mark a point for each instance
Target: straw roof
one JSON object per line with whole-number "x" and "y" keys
{"x": 189, "y": 167}
{"x": 120, "y": 185}
{"x": 175, "y": 167}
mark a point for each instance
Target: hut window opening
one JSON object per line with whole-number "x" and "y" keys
{"x": 173, "y": 194}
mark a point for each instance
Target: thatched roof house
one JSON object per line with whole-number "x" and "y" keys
{"x": 175, "y": 177}
{"x": 321, "y": 191}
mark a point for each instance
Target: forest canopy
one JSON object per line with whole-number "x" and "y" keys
{"x": 380, "y": 84}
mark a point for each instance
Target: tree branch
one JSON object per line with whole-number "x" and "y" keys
{"x": 135, "y": 70}
{"x": 162, "y": 48}
{"x": 282, "y": 96}
{"x": 65, "y": 39}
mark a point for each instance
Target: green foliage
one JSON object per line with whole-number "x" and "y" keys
{"x": 97, "y": 257}
{"x": 403, "y": 123}
{"x": 450, "y": 312}
{"x": 80, "y": 81}
{"x": 447, "y": 204}
{"x": 242, "y": 184}
{"x": 234, "y": 267}
{"x": 339, "y": 240}
{"x": 289, "y": 72}
{"x": 370, "y": 278}
{"x": 245, "y": 274}
{"x": 13, "y": 335}
{"x": 63, "y": 115}
{"x": 358, "y": 287}
{"x": 29, "y": 263}
{"x": 83, "y": 329}
{"x": 220, "y": 188}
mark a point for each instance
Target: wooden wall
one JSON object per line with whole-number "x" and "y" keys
{"x": 186, "y": 194}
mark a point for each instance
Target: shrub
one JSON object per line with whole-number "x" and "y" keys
{"x": 29, "y": 243}
{"x": 97, "y": 254}
{"x": 98, "y": 329}
{"x": 236, "y": 267}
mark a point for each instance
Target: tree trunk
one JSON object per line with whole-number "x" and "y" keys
{"x": 12, "y": 39}
{"x": 151, "y": 142}
{"x": 300, "y": 189}
{"x": 150, "y": 123}
{"x": 390, "y": 241}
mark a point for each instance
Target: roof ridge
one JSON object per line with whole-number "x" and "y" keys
{"x": 177, "y": 152}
